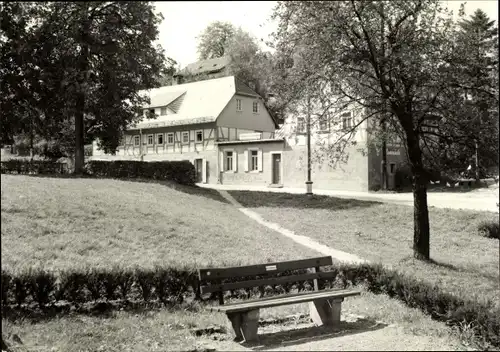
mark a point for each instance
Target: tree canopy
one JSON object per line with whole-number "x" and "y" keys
{"x": 83, "y": 62}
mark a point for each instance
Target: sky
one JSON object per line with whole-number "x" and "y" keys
{"x": 185, "y": 20}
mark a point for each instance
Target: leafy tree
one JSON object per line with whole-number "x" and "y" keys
{"x": 393, "y": 59}
{"x": 479, "y": 38}
{"x": 248, "y": 62}
{"x": 214, "y": 39}
{"x": 93, "y": 58}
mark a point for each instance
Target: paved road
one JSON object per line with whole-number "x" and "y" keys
{"x": 481, "y": 199}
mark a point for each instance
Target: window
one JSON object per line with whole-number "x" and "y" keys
{"x": 238, "y": 105}
{"x": 150, "y": 139}
{"x": 229, "y": 161}
{"x": 346, "y": 120}
{"x": 146, "y": 113}
{"x": 254, "y": 160}
{"x": 170, "y": 138}
{"x": 159, "y": 138}
{"x": 301, "y": 125}
{"x": 152, "y": 111}
{"x": 185, "y": 137}
{"x": 163, "y": 111}
{"x": 255, "y": 107}
{"x": 323, "y": 124}
{"x": 199, "y": 136}
{"x": 137, "y": 141}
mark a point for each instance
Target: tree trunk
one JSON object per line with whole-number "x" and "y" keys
{"x": 421, "y": 231}
{"x": 83, "y": 65}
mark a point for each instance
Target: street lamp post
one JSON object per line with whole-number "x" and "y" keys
{"x": 308, "y": 132}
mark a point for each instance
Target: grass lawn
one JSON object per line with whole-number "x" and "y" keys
{"x": 463, "y": 262}
{"x": 171, "y": 330}
{"x": 58, "y": 223}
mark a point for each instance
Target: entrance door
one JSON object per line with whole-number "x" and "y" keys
{"x": 276, "y": 169}
{"x": 198, "y": 167}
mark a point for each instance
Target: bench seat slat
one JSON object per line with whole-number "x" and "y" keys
{"x": 283, "y": 300}
{"x": 262, "y": 269}
{"x": 265, "y": 282}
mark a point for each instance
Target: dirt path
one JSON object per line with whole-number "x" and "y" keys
{"x": 303, "y": 240}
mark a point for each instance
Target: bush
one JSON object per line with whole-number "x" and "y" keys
{"x": 489, "y": 229}
{"x": 6, "y": 285}
{"x": 23, "y": 166}
{"x": 42, "y": 285}
{"x": 403, "y": 178}
{"x": 182, "y": 172}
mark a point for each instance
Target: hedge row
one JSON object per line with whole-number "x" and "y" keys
{"x": 182, "y": 172}
{"x": 22, "y": 166}
{"x": 172, "y": 286}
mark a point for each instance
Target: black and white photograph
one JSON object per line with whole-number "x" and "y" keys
{"x": 249, "y": 176}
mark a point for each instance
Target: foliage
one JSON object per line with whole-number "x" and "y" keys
{"x": 214, "y": 39}
{"x": 489, "y": 229}
{"x": 82, "y": 63}
{"x": 21, "y": 166}
{"x": 181, "y": 172}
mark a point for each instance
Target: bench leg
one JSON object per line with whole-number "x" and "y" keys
{"x": 326, "y": 312}
{"x": 235, "y": 319}
{"x": 245, "y": 325}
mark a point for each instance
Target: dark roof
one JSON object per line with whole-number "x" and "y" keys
{"x": 242, "y": 88}
{"x": 205, "y": 66}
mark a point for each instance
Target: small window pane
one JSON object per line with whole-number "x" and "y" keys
{"x": 229, "y": 161}
{"x": 255, "y": 106}
{"x": 254, "y": 159}
{"x": 163, "y": 111}
{"x": 170, "y": 138}
{"x": 199, "y": 136}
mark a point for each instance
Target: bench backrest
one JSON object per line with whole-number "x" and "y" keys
{"x": 214, "y": 276}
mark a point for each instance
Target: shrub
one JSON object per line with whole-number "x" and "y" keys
{"x": 6, "y": 285}
{"x": 42, "y": 285}
{"x": 21, "y": 284}
{"x": 72, "y": 286}
{"x": 489, "y": 229}
{"x": 145, "y": 281}
{"x": 179, "y": 171}
{"x": 23, "y": 166}
{"x": 94, "y": 283}
{"x": 125, "y": 281}
{"x": 403, "y": 178}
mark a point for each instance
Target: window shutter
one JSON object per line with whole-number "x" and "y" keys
{"x": 235, "y": 161}
{"x": 204, "y": 171}
{"x": 246, "y": 160}
{"x": 259, "y": 161}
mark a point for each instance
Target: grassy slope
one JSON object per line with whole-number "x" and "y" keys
{"x": 66, "y": 222}
{"x": 465, "y": 263}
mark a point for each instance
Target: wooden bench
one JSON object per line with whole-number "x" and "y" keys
{"x": 324, "y": 305}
